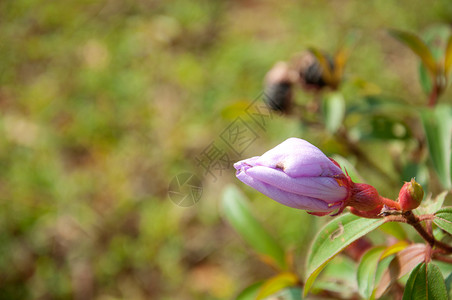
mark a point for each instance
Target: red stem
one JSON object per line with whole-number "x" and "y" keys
{"x": 415, "y": 221}
{"x": 390, "y": 203}
{"x": 446, "y": 259}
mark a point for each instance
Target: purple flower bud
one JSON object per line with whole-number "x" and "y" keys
{"x": 297, "y": 174}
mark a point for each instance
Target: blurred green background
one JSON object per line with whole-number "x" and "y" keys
{"x": 103, "y": 102}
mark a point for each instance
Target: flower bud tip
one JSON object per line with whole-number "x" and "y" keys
{"x": 410, "y": 195}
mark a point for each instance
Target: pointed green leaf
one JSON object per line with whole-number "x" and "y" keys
{"x": 372, "y": 264}
{"x": 425, "y": 282}
{"x": 407, "y": 295}
{"x": 394, "y": 248}
{"x": 425, "y": 79}
{"x": 276, "y": 284}
{"x": 394, "y": 229}
{"x": 431, "y": 205}
{"x": 337, "y": 276}
{"x": 383, "y": 265}
{"x": 333, "y": 111}
{"x": 342, "y": 285}
{"x": 443, "y": 218}
{"x": 418, "y": 47}
{"x": 367, "y": 270}
{"x": 436, "y": 37}
{"x": 438, "y": 129}
{"x": 449, "y": 285}
{"x": 238, "y": 213}
{"x": 448, "y": 57}
{"x": 403, "y": 262}
{"x": 293, "y": 293}
{"x": 250, "y": 293}
{"x": 332, "y": 239}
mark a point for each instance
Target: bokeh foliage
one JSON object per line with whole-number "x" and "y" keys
{"x": 103, "y": 102}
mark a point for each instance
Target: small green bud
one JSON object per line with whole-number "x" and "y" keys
{"x": 411, "y": 195}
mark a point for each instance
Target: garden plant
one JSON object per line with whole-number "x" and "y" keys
{"x": 403, "y": 263}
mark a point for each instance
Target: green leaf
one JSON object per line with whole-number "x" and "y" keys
{"x": 425, "y": 79}
{"x": 234, "y": 110}
{"x": 238, "y": 213}
{"x": 438, "y": 129}
{"x": 394, "y": 248}
{"x": 382, "y": 267}
{"x": 367, "y": 270}
{"x": 418, "y": 47}
{"x": 333, "y": 238}
{"x": 431, "y": 205}
{"x": 448, "y": 57}
{"x": 373, "y": 105}
{"x": 293, "y": 293}
{"x": 436, "y": 37}
{"x": 425, "y": 282}
{"x": 277, "y": 283}
{"x": 449, "y": 285}
{"x": 372, "y": 264}
{"x": 333, "y": 111}
{"x": 439, "y": 234}
{"x": 250, "y": 293}
{"x": 338, "y": 277}
{"x": 394, "y": 229}
{"x": 403, "y": 262}
{"x": 443, "y": 218}
{"x": 410, "y": 283}
{"x": 444, "y": 267}
{"x": 384, "y": 128}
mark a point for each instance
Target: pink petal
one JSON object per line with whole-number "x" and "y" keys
{"x": 283, "y": 197}
{"x": 324, "y": 188}
{"x": 298, "y": 158}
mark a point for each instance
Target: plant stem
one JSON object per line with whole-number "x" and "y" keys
{"x": 429, "y": 248}
{"x": 390, "y": 203}
{"x": 428, "y": 237}
{"x": 446, "y": 259}
{"x": 415, "y": 221}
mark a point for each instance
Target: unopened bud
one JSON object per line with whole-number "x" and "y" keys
{"x": 364, "y": 197}
{"x": 311, "y": 72}
{"x": 278, "y": 87}
{"x": 411, "y": 195}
